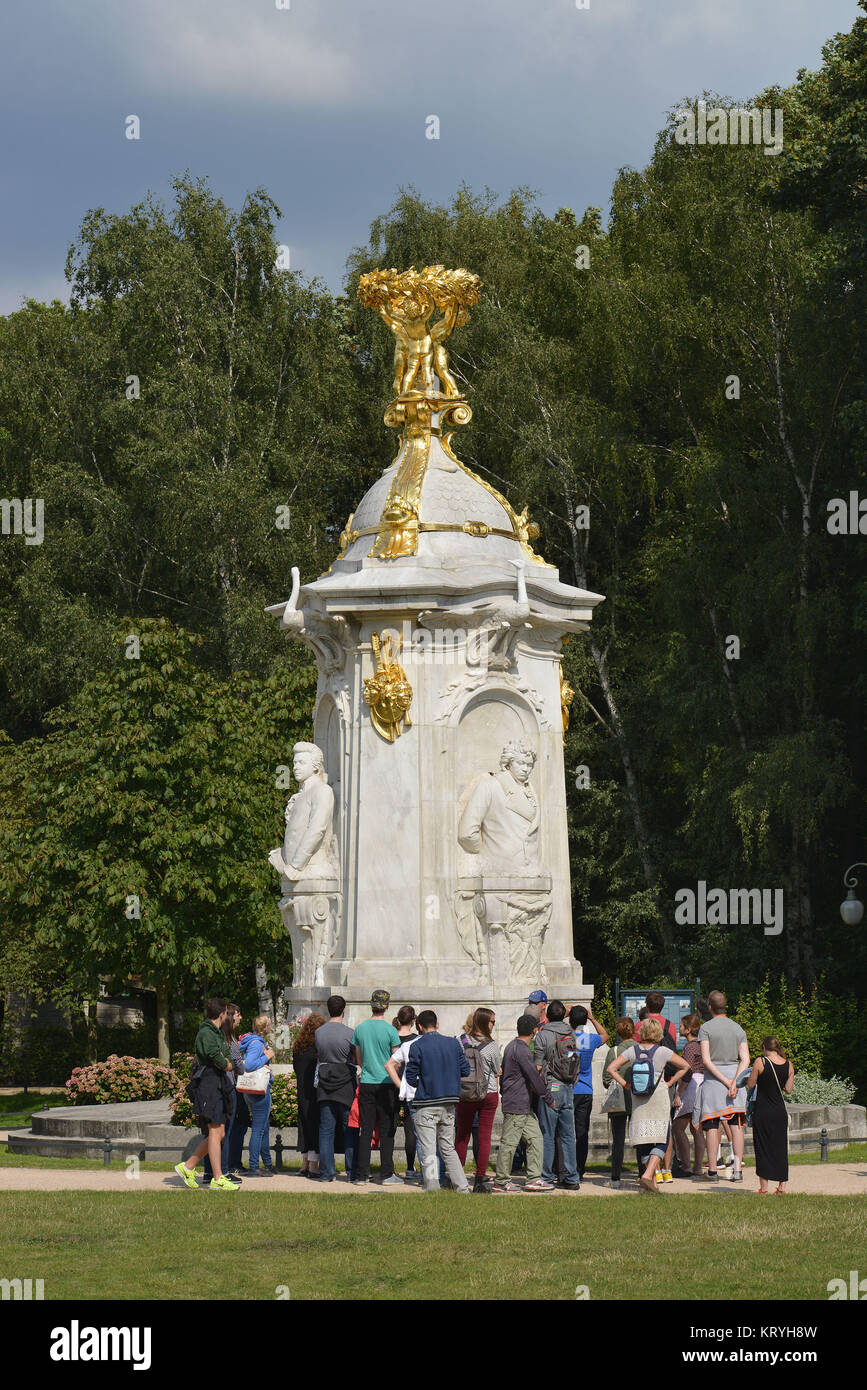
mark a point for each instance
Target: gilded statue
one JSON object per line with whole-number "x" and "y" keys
{"x": 406, "y": 300}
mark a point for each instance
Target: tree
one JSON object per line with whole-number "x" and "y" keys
{"x": 194, "y": 425}
{"x": 139, "y": 825}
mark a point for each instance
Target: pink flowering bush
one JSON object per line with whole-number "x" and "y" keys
{"x": 284, "y": 1102}
{"x": 120, "y": 1079}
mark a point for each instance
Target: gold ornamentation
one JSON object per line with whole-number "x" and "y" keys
{"x": 397, "y": 533}
{"x": 405, "y": 301}
{"x": 567, "y": 695}
{"x": 387, "y": 692}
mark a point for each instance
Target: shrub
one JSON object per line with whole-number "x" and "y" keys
{"x": 181, "y": 1106}
{"x": 822, "y": 1034}
{"x": 182, "y": 1065}
{"x": 284, "y": 1100}
{"x": 818, "y": 1090}
{"x": 120, "y": 1079}
{"x": 284, "y": 1103}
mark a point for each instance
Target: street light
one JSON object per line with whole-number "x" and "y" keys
{"x": 852, "y": 910}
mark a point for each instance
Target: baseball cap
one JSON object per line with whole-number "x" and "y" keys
{"x": 538, "y": 997}
{"x": 379, "y": 999}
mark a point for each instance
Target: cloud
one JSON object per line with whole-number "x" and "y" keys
{"x": 241, "y": 52}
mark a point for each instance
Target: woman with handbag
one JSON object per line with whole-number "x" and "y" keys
{"x": 617, "y": 1104}
{"x": 773, "y": 1077}
{"x": 255, "y": 1085}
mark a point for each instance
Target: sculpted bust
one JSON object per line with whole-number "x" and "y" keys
{"x": 500, "y": 821}
{"x": 308, "y": 846}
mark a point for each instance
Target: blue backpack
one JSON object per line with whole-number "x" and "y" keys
{"x": 644, "y": 1080}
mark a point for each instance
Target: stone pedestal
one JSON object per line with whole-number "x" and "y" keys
{"x": 311, "y": 913}
{"x": 451, "y": 1005}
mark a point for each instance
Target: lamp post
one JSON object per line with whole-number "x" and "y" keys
{"x": 852, "y": 910}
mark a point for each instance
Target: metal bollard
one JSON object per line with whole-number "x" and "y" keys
{"x": 278, "y": 1150}
{"x": 45, "y": 1106}
{"x": 823, "y": 1143}
{"x": 106, "y": 1150}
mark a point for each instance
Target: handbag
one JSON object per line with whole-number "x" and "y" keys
{"x": 254, "y": 1083}
{"x": 615, "y": 1100}
{"x": 782, "y": 1097}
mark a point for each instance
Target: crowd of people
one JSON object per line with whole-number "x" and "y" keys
{"x": 355, "y": 1085}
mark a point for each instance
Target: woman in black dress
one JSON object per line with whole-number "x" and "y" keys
{"x": 773, "y": 1077}
{"x": 304, "y": 1064}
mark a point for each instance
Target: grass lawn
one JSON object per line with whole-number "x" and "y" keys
{"x": 154, "y": 1246}
{"x": 15, "y": 1110}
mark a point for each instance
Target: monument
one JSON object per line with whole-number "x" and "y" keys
{"x": 426, "y": 851}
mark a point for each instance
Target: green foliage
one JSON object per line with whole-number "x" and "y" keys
{"x": 818, "y": 1090}
{"x": 603, "y": 1005}
{"x": 155, "y": 787}
{"x": 120, "y": 1079}
{"x": 46, "y": 1055}
{"x": 167, "y": 505}
{"x": 822, "y": 1034}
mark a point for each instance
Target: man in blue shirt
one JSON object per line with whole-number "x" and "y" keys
{"x": 582, "y": 1097}
{"x": 434, "y": 1069}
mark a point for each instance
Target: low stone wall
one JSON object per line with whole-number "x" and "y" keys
{"x": 145, "y": 1127}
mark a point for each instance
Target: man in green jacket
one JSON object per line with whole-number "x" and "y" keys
{"x": 207, "y": 1092}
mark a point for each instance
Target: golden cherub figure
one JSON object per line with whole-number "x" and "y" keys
{"x": 405, "y": 301}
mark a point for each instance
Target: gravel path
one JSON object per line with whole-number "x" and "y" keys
{"x": 832, "y": 1179}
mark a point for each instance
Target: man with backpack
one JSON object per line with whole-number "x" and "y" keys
{"x": 434, "y": 1069}
{"x": 556, "y": 1053}
{"x": 582, "y": 1091}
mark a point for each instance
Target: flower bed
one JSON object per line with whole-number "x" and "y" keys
{"x": 119, "y": 1079}
{"x": 284, "y": 1102}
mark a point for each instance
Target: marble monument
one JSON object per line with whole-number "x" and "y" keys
{"x": 426, "y": 851}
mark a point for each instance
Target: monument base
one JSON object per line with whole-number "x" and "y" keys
{"x": 451, "y": 1004}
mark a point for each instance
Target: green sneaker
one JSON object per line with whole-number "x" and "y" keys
{"x": 187, "y": 1174}
{"x": 224, "y": 1184}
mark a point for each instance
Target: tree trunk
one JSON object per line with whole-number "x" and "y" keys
{"x": 266, "y": 1002}
{"x": 642, "y": 839}
{"x": 88, "y": 1008}
{"x": 163, "y": 1048}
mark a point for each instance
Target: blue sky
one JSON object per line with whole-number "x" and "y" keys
{"x": 324, "y": 104}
